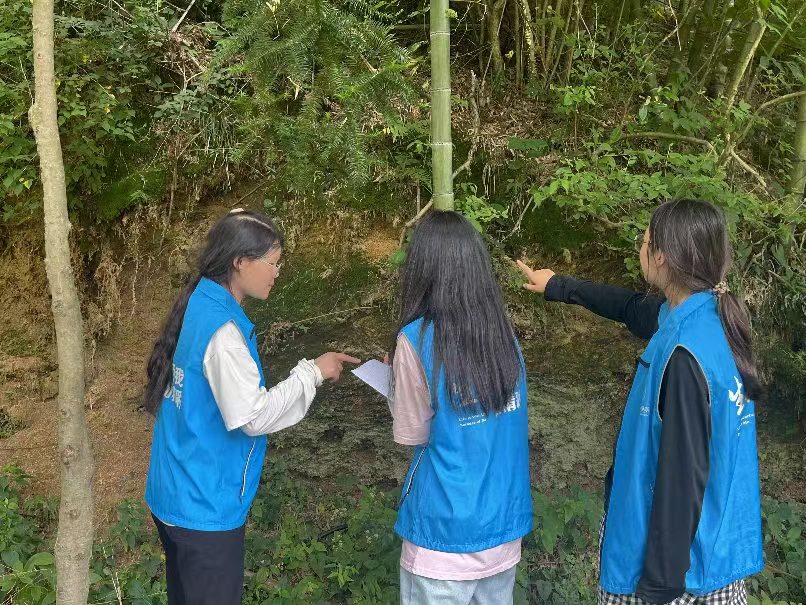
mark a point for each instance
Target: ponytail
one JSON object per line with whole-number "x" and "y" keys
{"x": 736, "y": 323}
{"x": 693, "y": 237}
{"x": 160, "y": 365}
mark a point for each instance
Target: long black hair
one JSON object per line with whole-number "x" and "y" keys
{"x": 693, "y": 237}
{"x": 448, "y": 279}
{"x": 240, "y": 234}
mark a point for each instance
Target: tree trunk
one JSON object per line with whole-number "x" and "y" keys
{"x": 549, "y": 61}
{"x": 771, "y": 54}
{"x": 751, "y": 44}
{"x": 797, "y": 180}
{"x": 683, "y": 24}
{"x": 561, "y": 48}
{"x": 529, "y": 37}
{"x": 570, "y": 60}
{"x": 441, "y": 146}
{"x": 517, "y": 40}
{"x": 636, "y": 10}
{"x": 495, "y": 14}
{"x": 74, "y": 536}
{"x": 703, "y": 32}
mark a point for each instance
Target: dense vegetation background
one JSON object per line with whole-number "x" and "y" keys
{"x": 572, "y": 119}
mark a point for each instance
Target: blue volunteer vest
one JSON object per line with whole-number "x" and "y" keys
{"x": 202, "y": 476}
{"x": 728, "y": 542}
{"x": 468, "y": 489}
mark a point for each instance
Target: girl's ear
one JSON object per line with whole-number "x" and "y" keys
{"x": 660, "y": 259}
{"x": 236, "y": 263}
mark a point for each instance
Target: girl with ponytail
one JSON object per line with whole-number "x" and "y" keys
{"x": 682, "y": 519}
{"x": 207, "y": 389}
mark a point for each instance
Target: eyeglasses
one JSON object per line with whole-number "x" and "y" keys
{"x": 277, "y": 266}
{"x": 638, "y": 241}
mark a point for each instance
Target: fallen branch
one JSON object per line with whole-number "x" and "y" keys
{"x": 748, "y": 168}
{"x": 670, "y": 136}
{"x": 175, "y": 28}
{"x": 250, "y": 192}
{"x": 413, "y": 221}
{"x": 315, "y": 317}
{"x": 762, "y": 107}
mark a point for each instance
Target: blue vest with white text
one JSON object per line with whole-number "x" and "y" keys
{"x": 202, "y": 476}
{"x": 468, "y": 488}
{"x": 728, "y": 543}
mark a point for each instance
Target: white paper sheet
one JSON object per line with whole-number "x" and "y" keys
{"x": 376, "y": 374}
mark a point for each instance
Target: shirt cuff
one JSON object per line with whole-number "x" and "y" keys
{"x": 311, "y": 365}
{"x": 554, "y": 288}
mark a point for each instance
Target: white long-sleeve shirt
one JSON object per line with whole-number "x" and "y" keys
{"x": 235, "y": 381}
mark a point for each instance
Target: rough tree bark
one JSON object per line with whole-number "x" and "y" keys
{"x": 74, "y": 536}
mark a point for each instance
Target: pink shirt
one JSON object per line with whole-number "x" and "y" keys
{"x": 411, "y": 425}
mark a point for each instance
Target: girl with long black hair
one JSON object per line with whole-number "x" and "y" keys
{"x": 682, "y": 517}
{"x": 213, "y": 411}
{"x": 459, "y": 397}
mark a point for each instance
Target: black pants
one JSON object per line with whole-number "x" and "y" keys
{"x": 203, "y": 567}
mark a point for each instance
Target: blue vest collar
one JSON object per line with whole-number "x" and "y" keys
{"x": 221, "y": 295}
{"x": 673, "y": 316}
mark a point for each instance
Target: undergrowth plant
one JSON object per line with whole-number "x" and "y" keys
{"x": 306, "y": 546}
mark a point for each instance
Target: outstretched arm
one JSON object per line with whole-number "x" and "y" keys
{"x": 234, "y": 378}
{"x": 637, "y": 310}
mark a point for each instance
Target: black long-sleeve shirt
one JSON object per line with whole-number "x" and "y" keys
{"x": 683, "y": 460}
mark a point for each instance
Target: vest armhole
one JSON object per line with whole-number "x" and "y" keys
{"x": 702, "y": 369}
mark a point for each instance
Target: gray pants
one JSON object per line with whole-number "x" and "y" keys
{"x": 494, "y": 590}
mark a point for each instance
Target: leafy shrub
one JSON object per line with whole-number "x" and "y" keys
{"x": 307, "y": 547}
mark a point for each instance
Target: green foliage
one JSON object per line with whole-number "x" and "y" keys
{"x": 787, "y": 377}
{"x": 27, "y": 572}
{"x": 476, "y": 208}
{"x": 617, "y": 187}
{"x": 328, "y": 78}
{"x": 561, "y": 554}
{"x": 292, "y": 561}
{"x": 304, "y": 546}
{"x": 785, "y": 548}
{"x": 105, "y": 73}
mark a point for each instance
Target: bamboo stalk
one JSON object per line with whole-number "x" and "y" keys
{"x": 549, "y": 61}
{"x": 441, "y": 146}
{"x": 797, "y": 180}
{"x": 561, "y": 49}
{"x": 529, "y": 38}
{"x": 757, "y": 29}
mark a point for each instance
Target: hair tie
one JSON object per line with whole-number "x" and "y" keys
{"x": 721, "y": 288}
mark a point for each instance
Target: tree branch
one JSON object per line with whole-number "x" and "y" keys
{"x": 476, "y": 135}
{"x": 670, "y": 136}
{"x": 762, "y": 107}
{"x": 748, "y": 168}
{"x": 175, "y": 28}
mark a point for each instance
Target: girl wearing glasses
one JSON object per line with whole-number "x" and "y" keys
{"x": 682, "y": 517}
{"x": 207, "y": 389}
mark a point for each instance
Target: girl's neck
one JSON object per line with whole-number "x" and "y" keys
{"x": 675, "y": 294}
{"x": 236, "y": 293}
